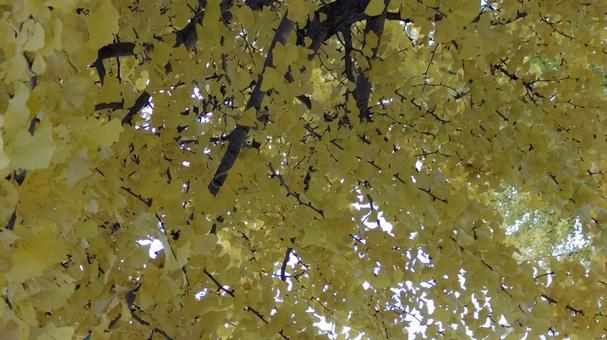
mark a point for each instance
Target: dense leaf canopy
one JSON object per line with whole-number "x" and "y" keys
{"x": 359, "y": 162}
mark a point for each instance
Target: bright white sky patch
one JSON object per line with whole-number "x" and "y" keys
{"x": 154, "y": 244}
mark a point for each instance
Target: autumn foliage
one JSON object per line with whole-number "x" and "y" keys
{"x": 359, "y": 162}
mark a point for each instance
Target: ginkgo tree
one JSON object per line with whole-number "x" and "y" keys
{"x": 301, "y": 160}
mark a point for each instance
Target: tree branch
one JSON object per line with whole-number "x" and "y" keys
{"x": 274, "y": 174}
{"x": 340, "y": 15}
{"x": 117, "y": 49}
{"x": 146, "y": 201}
{"x": 239, "y": 134}
{"x": 362, "y": 93}
{"x": 336, "y": 16}
{"x": 130, "y": 301}
{"x": 434, "y": 197}
{"x": 220, "y": 287}
{"x": 187, "y": 35}
{"x": 11, "y": 221}
{"x": 283, "y": 268}
{"x": 237, "y": 140}
{"x": 110, "y": 106}
{"x": 167, "y": 236}
{"x": 140, "y": 103}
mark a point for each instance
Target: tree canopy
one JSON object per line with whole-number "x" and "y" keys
{"x": 376, "y": 167}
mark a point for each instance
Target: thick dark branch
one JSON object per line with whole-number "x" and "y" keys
{"x": 283, "y": 268}
{"x": 336, "y": 16}
{"x": 237, "y": 141}
{"x": 362, "y": 93}
{"x": 349, "y": 67}
{"x": 397, "y": 16}
{"x": 225, "y": 7}
{"x": 140, "y": 103}
{"x": 117, "y": 49}
{"x": 281, "y": 35}
{"x": 110, "y": 106}
{"x": 257, "y": 4}
{"x": 187, "y": 35}
{"x": 11, "y": 221}
{"x": 239, "y": 134}
{"x": 340, "y": 15}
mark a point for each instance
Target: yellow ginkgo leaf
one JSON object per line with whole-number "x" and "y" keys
{"x": 56, "y": 333}
{"x": 60, "y": 4}
{"x": 457, "y": 204}
{"x": 375, "y": 7}
{"x": 271, "y": 79}
{"x": 78, "y": 168}
{"x": 86, "y": 229}
{"x": 102, "y": 24}
{"x": 4, "y": 161}
{"x": 32, "y": 152}
{"x": 17, "y": 113}
{"x": 8, "y": 199}
{"x": 35, "y": 254}
{"x": 205, "y": 245}
{"x": 34, "y": 35}
{"x": 103, "y": 134}
{"x": 248, "y": 117}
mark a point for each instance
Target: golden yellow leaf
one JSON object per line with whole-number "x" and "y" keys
{"x": 78, "y": 168}
{"x": 102, "y": 24}
{"x": 56, "y": 333}
{"x": 86, "y": 229}
{"x": 35, "y": 254}
{"x": 271, "y": 79}
{"x": 103, "y": 134}
{"x": 60, "y": 4}
{"x": 457, "y": 204}
{"x": 32, "y": 152}
{"x": 375, "y": 7}
{"x": 11, "y": 331}
{"x": 8, "y": 199}
{"x": 459, "y": 164}
{"x": 205, "y": 245}
{"x": 34, "y": 35}
{"x": 17, "y": 113}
